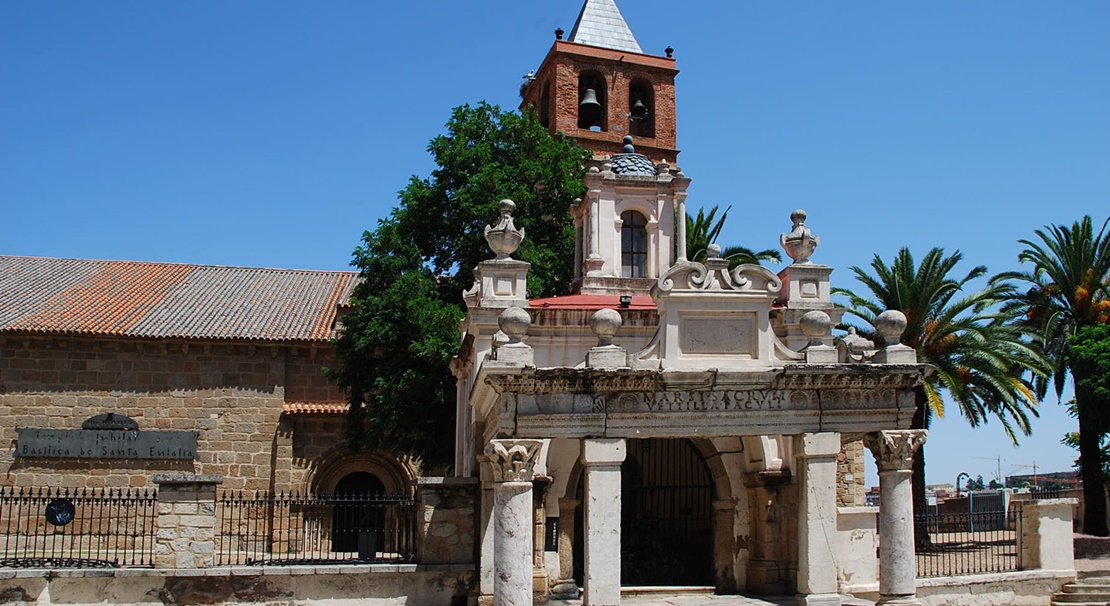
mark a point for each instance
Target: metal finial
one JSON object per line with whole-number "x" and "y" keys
{"x": 558, "y": 33}
{"x": 628, "y": 148}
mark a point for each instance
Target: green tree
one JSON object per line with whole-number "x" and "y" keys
{"x": 397, "y": 340}
{"x": 1067, "y": 289}
{"x": 704, "y": 229}
{"x": 979, "y": 356}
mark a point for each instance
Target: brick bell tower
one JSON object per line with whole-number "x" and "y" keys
{"x": 598, "y": 86}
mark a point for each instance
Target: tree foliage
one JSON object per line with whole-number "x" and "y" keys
{"x": 704, "y": 228}
{"x": 397, "y": 340}
{"x": 1067, "y": 289}
{"x": 980, "y": 356}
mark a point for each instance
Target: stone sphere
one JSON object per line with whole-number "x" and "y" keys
{"x": 514, "y": 322}
{"x": 816, "y": 324}
{"x": 798, "y": 216}
{"x": 890, "y": 325}
{"x": 605, "y": 323}
{"x": 506, "y": 205}
{"x": 713, "y": 251}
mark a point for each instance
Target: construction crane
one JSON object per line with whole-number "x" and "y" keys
{"x": 998, "y": 474}
{"x": 1036, "y": 483}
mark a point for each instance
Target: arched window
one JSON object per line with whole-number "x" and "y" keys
{"x": 545, "y": 105}
{"x": 591, "y": 102}
{"x": 633, "y": 245}
{"x": 641, "y": 109}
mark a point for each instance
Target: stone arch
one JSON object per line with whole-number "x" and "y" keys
{"x": 728, "y": 505}
{"x": 396, "y": 474}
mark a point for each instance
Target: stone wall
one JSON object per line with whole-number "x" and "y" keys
{"x": 231, "y": 394}
{"x": 445, "y": 516}
{"x": 850, "y": 481}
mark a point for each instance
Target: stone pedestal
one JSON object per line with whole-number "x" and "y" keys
{"x": 893, "y": 452}
{"x": 512, "y": 462}
{"x": 185, "y": 528}
{"x": 1046, "y": 535}
{"x": 602, "y": 458}
{"x": 817, "y": 582}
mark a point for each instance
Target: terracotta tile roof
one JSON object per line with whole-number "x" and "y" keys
{"x": 166, "y": 300}
{"x": 592, "y": 302}
{"x": 308, "y": 408}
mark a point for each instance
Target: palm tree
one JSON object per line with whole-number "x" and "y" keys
{"x": 1067, "y": 289}
{"x": 979, "y": 356}
{"x": 702, "y": 230}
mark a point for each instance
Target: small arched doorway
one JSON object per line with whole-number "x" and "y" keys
{"x": 358, "y": 524}
{"x": 667, "y": 497}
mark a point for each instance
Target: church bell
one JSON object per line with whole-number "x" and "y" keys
{"x": 639, "y": 110}
{"x": 589, "y": 109}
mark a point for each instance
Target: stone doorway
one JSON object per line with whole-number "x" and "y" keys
{"x": 357, "y": 526}
{"x": 667, "y": 497}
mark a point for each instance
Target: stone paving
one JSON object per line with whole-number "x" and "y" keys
{"x": 700, "y": 598}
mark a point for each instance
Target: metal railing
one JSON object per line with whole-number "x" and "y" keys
{"x": 968, "y": 543}
{"x": 265, "y": 529}
{"x": 1040, "y": 494}
{"x": 76, "y": 528}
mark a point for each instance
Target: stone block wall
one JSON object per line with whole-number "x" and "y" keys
{"x": 850, "y": 481}
{"x": 231, "y": 394}
{"x": 445, "y": 515}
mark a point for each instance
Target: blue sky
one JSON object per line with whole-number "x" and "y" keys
{"x": 273, "y": 133}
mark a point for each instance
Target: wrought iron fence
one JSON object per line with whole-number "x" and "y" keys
{"x": 76, "y": 528}
{"x": 1039, "y": 494}
{"x": 263, "y": 529}
{"x": 968, "y": 543}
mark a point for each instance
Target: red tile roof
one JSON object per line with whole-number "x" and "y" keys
{"x": 592, "y": 302}
{"x": 166, "y": 300}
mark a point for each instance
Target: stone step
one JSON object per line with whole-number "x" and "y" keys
{"x": 1103, "y": 587}
{"x": 1081, "y": 597}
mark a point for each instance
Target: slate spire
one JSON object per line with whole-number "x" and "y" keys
{"x": 601, "y": 24}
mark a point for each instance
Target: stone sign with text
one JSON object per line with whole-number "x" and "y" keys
{"x": 105, "y": 444}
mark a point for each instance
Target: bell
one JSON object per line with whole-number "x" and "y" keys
{"x": 639, "y": 110}
{"x": 589, "y": 110}
{"x": 589, "y": 100}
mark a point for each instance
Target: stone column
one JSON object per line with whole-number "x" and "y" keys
{"x": 724, "y": 544}
{"x": 185, "y": 528}
{"x": 513, "y": 461}
{"x": 485, "y": 530}
{"x": 602, "y": 458}
{"x": 893, "y": 452}
{"x": 817, "y": 582}
{"x": 565, "y": 587}
{"x": 540, "y": 583}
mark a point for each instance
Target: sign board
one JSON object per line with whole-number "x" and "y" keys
{"x": 106, "y": 444}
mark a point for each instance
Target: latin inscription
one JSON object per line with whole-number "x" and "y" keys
{"x": 106, "y": 444}
{"x": 695, "y": 401}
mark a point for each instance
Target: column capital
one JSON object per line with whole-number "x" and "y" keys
{"x": 894, "y": 449}
{"x": 513, "y": 460}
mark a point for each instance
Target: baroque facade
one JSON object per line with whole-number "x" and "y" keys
{"x": 679, "y": 423}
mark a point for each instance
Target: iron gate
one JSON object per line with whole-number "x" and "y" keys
{"x": 666, "y": 516}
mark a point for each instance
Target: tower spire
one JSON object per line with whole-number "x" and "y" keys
{"x": 601, "y": 24}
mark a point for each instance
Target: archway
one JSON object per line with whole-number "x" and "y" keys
{"x": 358, "y": 524}
{"x": 666, "y": 515}
{"x": 667, "y": 496}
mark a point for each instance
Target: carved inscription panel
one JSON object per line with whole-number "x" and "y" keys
{"x": 728, "y": 334}
{"x": 723, "y": 400}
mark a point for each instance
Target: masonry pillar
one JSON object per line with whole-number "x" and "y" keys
{"x": 185, "y": 527}
{"x": 512, "y": 462}
{"x": 565, "y": 587}
{"x": 817, "y": 582}
{"x": 602, "y": 458}
{"x": 893, "y": 452}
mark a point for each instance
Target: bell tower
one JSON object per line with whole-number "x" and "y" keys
{"x": 598, "y": 86}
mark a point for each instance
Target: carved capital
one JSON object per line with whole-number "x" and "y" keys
{"x": 513, "y": 460}
{"x": 893, "y": 449}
